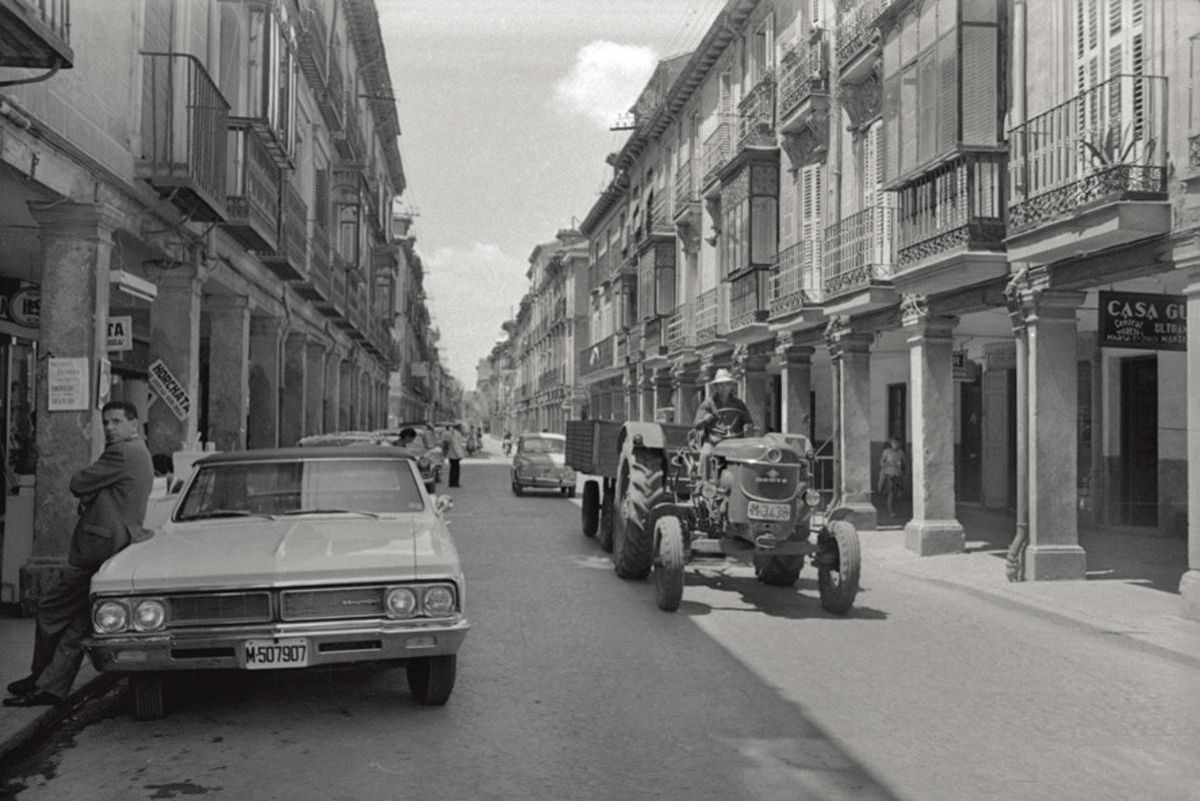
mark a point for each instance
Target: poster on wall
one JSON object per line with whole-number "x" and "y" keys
{"x": 1143, "y": 320}
{"x": 67, "y": 385}
{"x": 164, "y": 383}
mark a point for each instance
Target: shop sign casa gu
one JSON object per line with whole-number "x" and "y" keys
{"x": 1143, "y": 320}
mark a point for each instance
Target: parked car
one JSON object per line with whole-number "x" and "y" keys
{"x": 431, "y": 443}
{"x": 429, "y": 464}
{"x": 540, "y": 463}
{"x": 287, "y": 558}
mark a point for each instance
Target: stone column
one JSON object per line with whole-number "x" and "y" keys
{"x": 796, "y": 387}
{"x": 175, "y": 339}
{"x": 314, "y": 387}
{"x": 77, "y": 241}
{"x": 687, "y": 393}
{"x": 646, "y": 385}
{"x": 1054, "y": 551}
{"x": 663, "y": 389}
{"x": 1189, "y": 585}
{"x": 293, "y": 412}
{"x": 332, "y": 409}
{"x": 752, "y": 368}
{"x": 228, "y": 370}
{"x": 851, "y": 353}
{"x": 346, "y": 395}
{"x": 934, "y": 527}
{"x": 265, "y": 375}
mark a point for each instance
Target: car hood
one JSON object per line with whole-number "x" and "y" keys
{"x": 262, "y": 553}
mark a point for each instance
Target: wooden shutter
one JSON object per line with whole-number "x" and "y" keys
{"x": 787, "y": 209}
{"x": 812, "y": 218}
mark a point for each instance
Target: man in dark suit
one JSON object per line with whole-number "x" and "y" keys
{"x": 112, "y": 494}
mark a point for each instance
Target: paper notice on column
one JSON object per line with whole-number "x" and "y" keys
{"x": 169, "y": 389}
{"x": 67, "y": 385}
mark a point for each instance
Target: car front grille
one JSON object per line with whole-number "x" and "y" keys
{"x": 337, "y": 602}
{"x": 223, "y": 607}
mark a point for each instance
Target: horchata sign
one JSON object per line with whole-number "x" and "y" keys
{"x": 169, "y": 389}
{"x": 1143, "y": 320}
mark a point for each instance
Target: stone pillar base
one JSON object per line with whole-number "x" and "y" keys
{"x": 932, "y": 537}
{"x": 37, "y": 576}
{"x": 1189, "y": 591}
{"x": 1055, "y": 563}
{"x": 861, "y": 514}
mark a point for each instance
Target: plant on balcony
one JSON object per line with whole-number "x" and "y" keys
{"x": 1116, "y": 147}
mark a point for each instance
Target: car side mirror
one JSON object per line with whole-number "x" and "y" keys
{"x": 443, "y": 504}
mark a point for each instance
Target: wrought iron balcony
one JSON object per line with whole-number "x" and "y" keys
{"x": 185, "y": 123}
{"x": 36, "y": 34}
{"x": 856, "y": 27}
{"x": 679, "y": 329}
{"x": 716, "y": 151}
{"x": 756, "y": 115}
{"x": 748, "y": 299}
{"x": 290, "y": 258}
{"x": 316, "y": 285}
{"x": 955, "y": 207}
{"x": 711, "y": 316}
{"x": 252, "y": 204}
{"x": 332, "y": 99}
{"x": 685, "y": 192}
{"x": 804, "y": 73}
{"x": 598, "y": 357}
{"x": 859, "y": 251}
{"x": 796, "y": 279}
{"x": 1103, "y": 146}
{"x": 349, "y": 140}
{"x": 660, "y": 214}
{"x": 313, "y": 50}
{"x": 336, "y": 307}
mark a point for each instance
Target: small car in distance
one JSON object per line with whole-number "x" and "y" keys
{"x": 285, "y": 559}
{"x": 540, "y": 463}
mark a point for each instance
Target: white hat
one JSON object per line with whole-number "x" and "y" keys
{"x": 723, "y": 376}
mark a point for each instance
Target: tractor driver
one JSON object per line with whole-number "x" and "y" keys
{"x": 722, "y": 414}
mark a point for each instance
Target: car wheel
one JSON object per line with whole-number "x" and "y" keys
{"x": 518, "y": 490}
{"x": 590, "y": 509}
{"x": 430, "y": 487}
{"x": 431, "y": 678}
{"x": 570, "y": 492}
{"x": 147, "y": 691}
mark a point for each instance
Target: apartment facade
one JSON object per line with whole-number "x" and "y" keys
{"x": 197, "y": 218}
{"x": 928, "y": 220}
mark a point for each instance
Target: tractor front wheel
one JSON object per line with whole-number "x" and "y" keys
{"x": 668, "y": 563}
{"x": 840, "y": 565}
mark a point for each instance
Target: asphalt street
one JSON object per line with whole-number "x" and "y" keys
{"x": 573, "y": 685}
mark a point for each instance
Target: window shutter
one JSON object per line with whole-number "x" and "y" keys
{"x": 870, "y": 166}
{"x": 787, "y": 210}
{"x": 890, "y": 161}
{"x": 811, "y": 218}
{"x": 976, "y": 70}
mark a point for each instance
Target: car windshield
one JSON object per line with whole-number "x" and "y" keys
{"x": 543, "y": 445}
{"x": 358, "y": 485}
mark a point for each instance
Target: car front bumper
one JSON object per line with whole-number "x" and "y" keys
{"x": 544, "y": 482}
{"x": 329, "y": 642}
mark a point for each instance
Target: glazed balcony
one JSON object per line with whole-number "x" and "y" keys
{"x": 860, "y": 255}
{"x": 653, "y": 337}
{"x": 185, "y": 124}
{"x": 711, "y": 321}
{"x": 950, "y": 225}
{"x": 36, "y": 34}
{"x": 756, "y": 116}
{"x": 748, "y": 304}
{"x": 796, "y": 280}
{"x": 1090, "y": 173}
{"x": 679, "y": 329}
{"x": 856, "y": 32}
{"x": 804, "y": 81}
{"x": 716, "y": 151}
{"x": 252, "y": 205}
{"x": 599, "y": 356}
{"x": 289, "y": 260}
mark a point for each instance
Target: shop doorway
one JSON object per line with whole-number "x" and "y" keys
{"x": 1139, "y": 441}
{"x": 967, "y": 477}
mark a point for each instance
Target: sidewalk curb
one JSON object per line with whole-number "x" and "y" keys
{"x": 48, "y": 717}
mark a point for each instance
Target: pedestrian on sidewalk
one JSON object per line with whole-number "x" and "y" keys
{"x": 113, "y": 493}
{"x": 455, "y": 451}
{"x": 891, "y": 473}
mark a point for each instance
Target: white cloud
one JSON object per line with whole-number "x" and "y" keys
{"x": 605, "y": 80}
{"x": 474, "y": 289}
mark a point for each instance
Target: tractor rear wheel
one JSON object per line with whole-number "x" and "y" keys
{"x": 642, "y": 489}
{"x": 837, "y": 578}
{"x": 778, "y": 571}
{"x": 669, "y": 562}
{"x": 590, "y": 510}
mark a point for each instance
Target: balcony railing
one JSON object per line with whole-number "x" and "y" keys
{"x": 349, "y": 140}
{"x": 804, "y": 72}
{"x": 716, "y": 151}
{"x": 796, "y": 280}
{"x": 337, "y": 291}
{"x": 711, "y": 318}
{"x": 748, "y": 299}
{"x": 551, "y": 378}
{"x": 1194, "y": 150}
{"x": 650, "y": 337}
{"x": 253, "y": 201}
{"x": 660, "y": 213}
{"x": 685, "y": 193}
{"x": 860, "y": 251}
{"x": 332, "y": 100}
{"x": 598, "y": 356}
{"x": 314, "y": 47}
{"x": 290, "y": 259}
{"x": 185, "y": 121}
{"x": 756, "y": 115}
{"x": 679, "y": 329}
{"x": 317, "y": 286}
{"x": 955, "y": 205}
{"x": 1101, "y": 146}
{"x": 35, "y": 34}
{"x": 856, "y": 27}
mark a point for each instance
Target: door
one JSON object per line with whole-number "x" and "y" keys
{"x": 970, "y": 446}
{"x": 994, "y": 466}
{"x": 1139, "y": 441}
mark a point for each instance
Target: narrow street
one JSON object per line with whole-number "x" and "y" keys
{"x": 573, "y": 685}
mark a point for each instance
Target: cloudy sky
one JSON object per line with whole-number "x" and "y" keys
{"x": 505, "y": 108}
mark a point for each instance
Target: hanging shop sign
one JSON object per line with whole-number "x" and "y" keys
{"x": 120, "y": 333}
{"x": 963, "y": 368}
{"x": 1143, "y": 320}
{"x": 20, "y": 303}
{"x": 169, "y": 389}
{"x": 67, "y": 386}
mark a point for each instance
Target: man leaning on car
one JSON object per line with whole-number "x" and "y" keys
{"x": 112, "y": 494}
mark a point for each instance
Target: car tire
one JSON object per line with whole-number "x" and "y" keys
{"x": 839, "y": 586}
{"x": 431, "y": 678}
{"x": 430, "y": 487}
{"x": 570, "y": 492}
{"x": 589, "y": 510}
{"x": 517, "y": 489}
{"x": 147, "y": 689}
{"x": 643, "y": 491}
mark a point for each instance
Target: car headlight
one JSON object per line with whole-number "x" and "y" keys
{"x": 812, "y": 497}
{"x": 438, "y": 601}
{"x": 401, "y": 602}
{"x": 149, "y": 615}
{"x": 110, "y": 617}
{"x": 774, "y": 454}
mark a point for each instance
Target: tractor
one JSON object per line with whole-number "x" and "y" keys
{"x": 656, "y": 507}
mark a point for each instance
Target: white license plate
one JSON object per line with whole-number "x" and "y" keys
{"x": 281, "y": 653}
{"x": 757, "y": 510}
